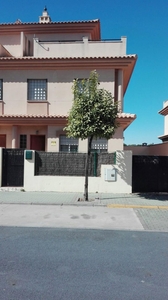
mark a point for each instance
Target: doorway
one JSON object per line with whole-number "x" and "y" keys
{"x": 37, "y": 142}
{"x": 3, "y": 140}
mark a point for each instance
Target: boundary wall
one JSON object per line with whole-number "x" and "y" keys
{"x": 122, "y": 182}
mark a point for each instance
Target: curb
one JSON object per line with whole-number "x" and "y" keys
{"x": 137, "y": 206}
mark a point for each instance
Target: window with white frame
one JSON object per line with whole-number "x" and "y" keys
{"x": 99, "y": 145}
{"x": 68, "y": 144}
{"x": 37, "y": 89}
{"x": 1, "y": 89}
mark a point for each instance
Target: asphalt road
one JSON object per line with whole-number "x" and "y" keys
{"x": 52, "y": 263}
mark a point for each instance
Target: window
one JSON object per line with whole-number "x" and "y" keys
{"x": 1, "y": 89}
{"x": 68, "y": 144}
{"x": 23, "y": 141}
{"x": 99, "y": 145}
{"x": 37, "y": 89}
{"x": 82, "y": 84}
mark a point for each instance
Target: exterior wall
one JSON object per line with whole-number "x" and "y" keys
{"x": 52, "y": 139}
{"x": 1, "y": 167}
{"x": 13, "y": 132}
{"x": 59, "y": 90}
{"x": 123, "y": 183}
{"x": 8, "y": 131}
{"x": 83, "y": 48}
{"x": 12, "y": 43}
{"x": 116, "y": 142}
{"x": 166, "y": 125}
{"x": 158, "y": 149}
{"x": 137, "y": 150}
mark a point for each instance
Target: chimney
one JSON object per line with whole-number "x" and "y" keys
{"x": 45, "y": 18}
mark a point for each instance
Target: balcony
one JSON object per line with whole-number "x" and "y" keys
{"x": 83, "y": 48}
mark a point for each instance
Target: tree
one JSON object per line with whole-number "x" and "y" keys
{"x": 93, "y": 114}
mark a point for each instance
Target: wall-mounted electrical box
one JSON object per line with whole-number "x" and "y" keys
{"x": 110, "y": 174}
{"x": 29, "y": 154}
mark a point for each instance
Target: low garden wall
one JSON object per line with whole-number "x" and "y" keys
{"x": 39, "y": 177}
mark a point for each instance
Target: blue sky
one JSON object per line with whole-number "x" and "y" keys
{"x": 145, "y": 23}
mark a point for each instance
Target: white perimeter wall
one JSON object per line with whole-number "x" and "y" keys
{"x": 123, "y": 183}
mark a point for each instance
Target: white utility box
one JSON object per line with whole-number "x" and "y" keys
{"x": 110, "y": 174}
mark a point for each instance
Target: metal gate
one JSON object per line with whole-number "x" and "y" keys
{"x": 13, "y": 167}
{"x": 149, "y": 174}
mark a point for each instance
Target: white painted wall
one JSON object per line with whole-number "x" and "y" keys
{"x": 83, "y": 48}
{"x": 123, "y": 183}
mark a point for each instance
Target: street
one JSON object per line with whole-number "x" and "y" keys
{"x": 52, "y": 263}
{"x": 117, "y": 251}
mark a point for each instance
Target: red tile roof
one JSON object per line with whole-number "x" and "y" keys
{"x": 42, "y": 24}
{"x": 67, "y": 58}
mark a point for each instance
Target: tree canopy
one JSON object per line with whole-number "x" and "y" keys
{"x": 93, "y": 112}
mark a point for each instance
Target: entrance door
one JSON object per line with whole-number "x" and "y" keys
{"x": 13, "y": 167}
{"x": 3, "y": 140}
{"x": 37, "y": 142}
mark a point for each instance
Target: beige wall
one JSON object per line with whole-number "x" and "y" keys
{"x": 8, "y": 131}
{"x": 12, "y": 43}
{"x": 59, "y": 90}
{"x": 116, "y": 143}
{"x": 158, "y": 149}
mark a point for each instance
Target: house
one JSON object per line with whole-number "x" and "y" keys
{"x": 38, "y": 63}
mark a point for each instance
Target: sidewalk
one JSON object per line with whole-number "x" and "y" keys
{"x": 15, "y": 196}
{"x": 151, "y": 209}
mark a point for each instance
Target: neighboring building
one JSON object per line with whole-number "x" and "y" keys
{"x": 38, "y": 63}
{"x": 164, "y": 112}
{"x": 160, "y": 149}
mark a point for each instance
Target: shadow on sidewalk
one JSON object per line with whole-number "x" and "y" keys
{"x": 147, "y": 196}
{"x": 153, "y": 196}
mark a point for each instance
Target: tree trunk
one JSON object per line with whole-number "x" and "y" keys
{"x": 86, "y": 168}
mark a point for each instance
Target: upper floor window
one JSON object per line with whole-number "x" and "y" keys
{"x": 82, "y": 84}
{"x": 37, "y": 89}
{"x": 68, "y": 144}
{"x": 99, "y": 145}
{"x": 1, "y": 89}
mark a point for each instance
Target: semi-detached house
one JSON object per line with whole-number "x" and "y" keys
{"x": 38, "y": 63}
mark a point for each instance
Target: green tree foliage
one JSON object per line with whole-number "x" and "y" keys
{"x": 93, "y": 114}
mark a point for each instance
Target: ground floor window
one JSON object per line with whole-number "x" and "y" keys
{"x": 99, "y": 145}
{"x": 23, "y": 141}
{"x": 68, "y": 144}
